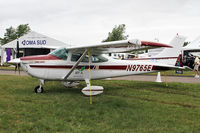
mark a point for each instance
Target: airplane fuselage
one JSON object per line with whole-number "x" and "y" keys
{"x": 49, "y": 67}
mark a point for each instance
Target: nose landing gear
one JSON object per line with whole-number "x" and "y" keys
{"x": 39, "y": 89}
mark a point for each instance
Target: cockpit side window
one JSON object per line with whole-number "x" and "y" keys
{"x": 94, "y": 58}
{"x": 61, "y": 53}
{"x": 76, "y": 56}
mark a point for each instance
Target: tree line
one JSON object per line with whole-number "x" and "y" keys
{"x": 117, "y": 33}
{"x": 14, "y": 33}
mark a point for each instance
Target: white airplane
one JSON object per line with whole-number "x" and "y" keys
{"x": 88, "y": 62}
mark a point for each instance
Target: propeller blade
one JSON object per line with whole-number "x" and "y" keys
{"x": 17, "y": 67}
{"x": 17, "y": 47}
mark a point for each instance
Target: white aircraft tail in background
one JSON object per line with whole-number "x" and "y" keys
{"x": 168, "y": 55}
{"x": 171, "y": 55}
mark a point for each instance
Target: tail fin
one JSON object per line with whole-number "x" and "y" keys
{"x": 171, "y": 54}
{"x": 177, "y": 44}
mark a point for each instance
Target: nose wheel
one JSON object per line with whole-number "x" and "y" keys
{"x": 39, "y": 89}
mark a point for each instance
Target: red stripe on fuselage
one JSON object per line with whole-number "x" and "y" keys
{"x": 94, "y": 90}
{"x": 120, "y": 67}
{"x": 162, "y": 68}
{"x": 111, "y": 67}
{"x": 40, "y": 57}
{"x": 51, "y": 66}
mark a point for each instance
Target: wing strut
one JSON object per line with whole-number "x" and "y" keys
{"x": 75, "y": 65}
{"x": 90, "y": 77}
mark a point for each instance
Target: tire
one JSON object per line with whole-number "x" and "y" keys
{"x": 37, "y": 89}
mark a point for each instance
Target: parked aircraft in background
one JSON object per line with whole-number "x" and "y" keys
{"x": 167, "y": 55}
{"x": 88, "y": 62}
{"x": 188, "y": 52}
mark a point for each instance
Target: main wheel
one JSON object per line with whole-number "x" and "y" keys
{"x": 38, "y": 89}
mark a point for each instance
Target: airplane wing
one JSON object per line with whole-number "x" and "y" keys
{"x": 117, "y": 46}
{"x": 111, "y": 47}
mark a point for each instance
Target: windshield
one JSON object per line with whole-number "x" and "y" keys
{"x": 61, "y": 53}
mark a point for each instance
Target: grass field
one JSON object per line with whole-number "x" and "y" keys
{"x": 8, "y": 68}
{"x": 124, "y": 107}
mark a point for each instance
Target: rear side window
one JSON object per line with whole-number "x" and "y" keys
{"x": 98, "y": 58}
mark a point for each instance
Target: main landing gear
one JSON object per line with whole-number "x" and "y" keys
{"x": 39, "y": 89}
{"x": 92, "y": 90}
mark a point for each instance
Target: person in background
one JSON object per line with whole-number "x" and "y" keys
{"x": 119, "y": 57}
{"x": 196, "y": 66}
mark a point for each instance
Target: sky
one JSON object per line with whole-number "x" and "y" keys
{"x": 89, "y": 21}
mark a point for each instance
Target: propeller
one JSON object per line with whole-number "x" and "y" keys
{"x": 17, "y": 48}
{"x": 17, "y": 67}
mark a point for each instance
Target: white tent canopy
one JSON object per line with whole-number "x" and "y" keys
{"x": 35, "y": 40}
{"x": 31, "y": 40}
{"x": 194, "y": 45}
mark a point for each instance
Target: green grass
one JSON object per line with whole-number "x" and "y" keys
{"x": 9, "y": 68}
{"x": 124, "y": 107}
